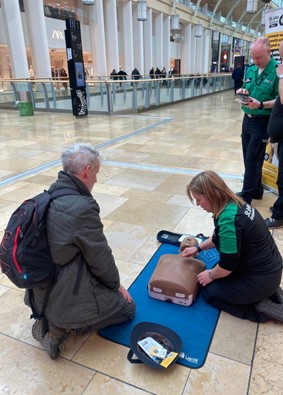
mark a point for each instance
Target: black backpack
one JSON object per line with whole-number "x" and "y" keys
{"x": 24, "y": 253}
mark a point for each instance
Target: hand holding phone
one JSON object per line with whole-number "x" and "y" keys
{"x": 244, "y": 98}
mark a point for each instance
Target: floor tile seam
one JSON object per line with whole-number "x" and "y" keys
{"x": 254, "y": 354}
{"x": 249, "y": 365}
{"x": 143, "y": 117}
{"x": 52, "y": 164}
{"x": 170, "y": 170}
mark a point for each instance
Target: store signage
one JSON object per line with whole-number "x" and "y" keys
{"x": 58, "y": 35}
{"x": 76, "y": 67}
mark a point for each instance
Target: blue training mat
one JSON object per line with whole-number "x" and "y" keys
{"x": 195, "y": 324}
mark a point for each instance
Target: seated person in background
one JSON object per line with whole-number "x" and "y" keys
{"x": 246, "y": 281}
{"x": 78, "y": 245}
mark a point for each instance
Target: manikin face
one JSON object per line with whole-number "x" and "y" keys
{"x": 188, "y": 242}
{"x": 203, "y": 202}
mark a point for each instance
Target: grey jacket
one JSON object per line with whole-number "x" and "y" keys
{"x": 74, "y": 230}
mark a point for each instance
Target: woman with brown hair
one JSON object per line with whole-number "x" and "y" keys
{"x": 246, "y": 280}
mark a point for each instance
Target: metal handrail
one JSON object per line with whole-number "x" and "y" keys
{"x": 112, "y": 96}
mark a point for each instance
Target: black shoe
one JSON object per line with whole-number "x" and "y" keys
{"x": 273, "y": 223}
{"x": 39, "y": 330}
{"x": 256, "y": 196}
{"x": 53, "y": 340}
{"x": 277, "y": 297}
{"x": 245, "y": 197}
{"x": 271, "y": 310}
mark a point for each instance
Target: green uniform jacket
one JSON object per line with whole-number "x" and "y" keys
{"x": 263, "y": 87}
{"x": 74, "y": 227}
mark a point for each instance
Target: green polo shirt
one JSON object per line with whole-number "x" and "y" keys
{"x": 263, "y": 87}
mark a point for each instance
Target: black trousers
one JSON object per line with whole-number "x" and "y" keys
{"x": 254, "y": 139}
{"x": 277, "y": 212}
{"x": 237, "y": 294}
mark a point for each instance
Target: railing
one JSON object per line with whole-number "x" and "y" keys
{"x": 111, "y": 96}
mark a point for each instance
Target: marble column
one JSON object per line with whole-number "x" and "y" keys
{"x": 15, "y": 38}
{"x": 97, "y": 39}
{"x": 38, "y": 38}
{"x": 111, "y": 35}
{"x": 158, "y": 23}
{"x": 138, "y": 42}
{"x": 166, "y": 42}
{"x": 147, "y": 40}
{"x": 127, "y": 45}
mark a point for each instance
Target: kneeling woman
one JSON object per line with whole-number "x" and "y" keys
{"x": 246, "y": 280}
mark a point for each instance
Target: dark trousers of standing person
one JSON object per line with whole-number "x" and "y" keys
{"x": 254, "y": 140}
{"x": 237, "y": 85}
{"x": 238, "y": 294}
{"x": 277, "y": 210}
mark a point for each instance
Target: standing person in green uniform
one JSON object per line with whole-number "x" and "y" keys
{"x": 261, "y": 88}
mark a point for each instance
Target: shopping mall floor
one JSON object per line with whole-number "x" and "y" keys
{"x": 149, "y": 159}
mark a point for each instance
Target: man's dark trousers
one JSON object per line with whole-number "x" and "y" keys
{"x": 277, "y": 210}
{"x": 254, "y": 140}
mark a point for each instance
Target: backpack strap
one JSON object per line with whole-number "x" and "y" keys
{"x": 54, "y": 195}
{"x": 41, "y": 316}
{"x": 35, "y": 314}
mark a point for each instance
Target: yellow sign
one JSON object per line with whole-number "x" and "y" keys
{"x": 270, "y": 167}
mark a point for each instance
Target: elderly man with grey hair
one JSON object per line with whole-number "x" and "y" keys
{"x": 79, "y": 248}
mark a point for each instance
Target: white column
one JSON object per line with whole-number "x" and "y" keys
{"x": 166, "y": 41}
{"x": 147, "y": 39}
{"x": 219, "y": 51}
{"x": 15, "y": 38}
{"x": 38, "y": 38}
{"x": 127, "y": 37}
{"x": 111, "y": 35}
{"x": 138, "y": 42}
{"x": 97, "y": 39}
{"x": 198, "y": 52}
{"x": 206, "y": 51}
{"x": 158, "y": 22}
{"x": 186, "y": 55}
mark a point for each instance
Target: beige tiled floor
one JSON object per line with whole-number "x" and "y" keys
{"x": 148, "y": 161}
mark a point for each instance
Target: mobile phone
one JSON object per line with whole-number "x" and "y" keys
{"x": 244, "y": 97}
{"x": 242, "y": 102}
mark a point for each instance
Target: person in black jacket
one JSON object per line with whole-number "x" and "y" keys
{"x": 238, "y": 76}
{"x": 122, "y": 74}
{"x": 136, "y": 74}
{"x": 114, "y": 75}
{"x": 275, "y": 132}
{"x": 87, "y": 295}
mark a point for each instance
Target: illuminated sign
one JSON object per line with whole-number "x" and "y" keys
{"x": 58, "y": 35}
